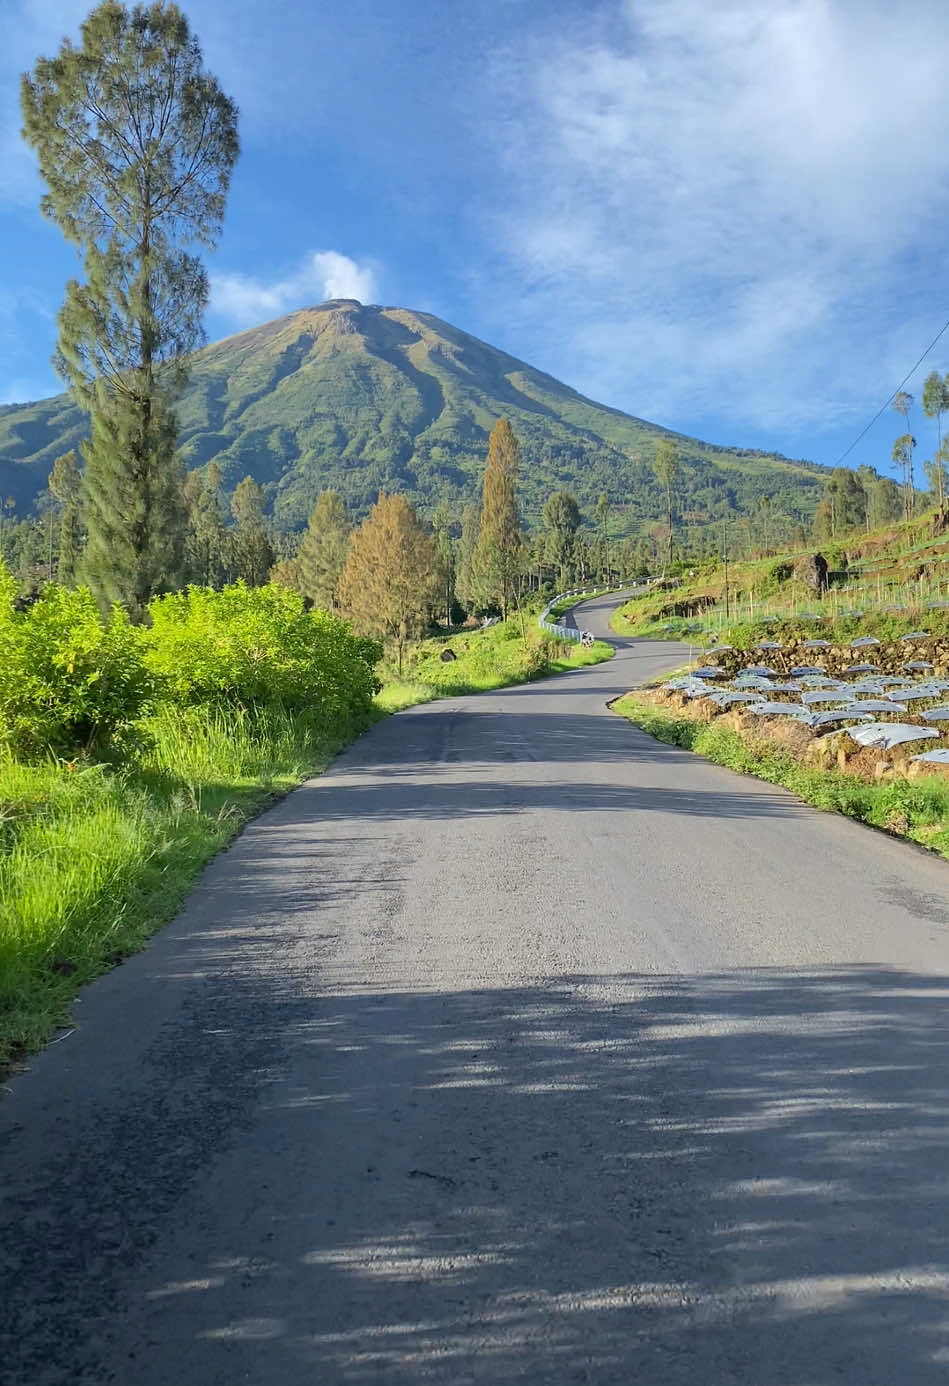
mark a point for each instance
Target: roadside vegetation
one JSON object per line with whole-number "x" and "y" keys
{"x": 510, "y": 652}
{"x": 865, "y": 581}
{"x": 917, "y": 809}
{"x": 130, "y": 754}
{"x": 889, "y": 583}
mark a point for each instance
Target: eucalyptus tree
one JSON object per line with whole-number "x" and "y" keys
{"x": 903, "y": 451}
{"x": 935, "y": 404}
{"x": 903, "y": 463}
{"x": 937, "y": 474}
{"x": 936, "y": 399}
{"x": 136, "y": 143}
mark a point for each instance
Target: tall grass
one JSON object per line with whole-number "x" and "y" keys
{"x": 93, "y": 858}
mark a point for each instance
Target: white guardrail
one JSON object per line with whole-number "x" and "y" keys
{"x": 573, "y": 632}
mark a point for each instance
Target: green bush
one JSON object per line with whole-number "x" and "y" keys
{"x": 70, "y": 682}
{"x": 258, "y": 646}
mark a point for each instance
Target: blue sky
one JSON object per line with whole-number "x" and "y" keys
{"x": 727, "y": 216}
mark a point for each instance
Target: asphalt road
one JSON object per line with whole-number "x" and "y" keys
{"x": 517, "y": 1047}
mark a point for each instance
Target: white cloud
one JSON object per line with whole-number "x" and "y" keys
{"x": 731, "y": 207}
{"x": 245, "y": 300}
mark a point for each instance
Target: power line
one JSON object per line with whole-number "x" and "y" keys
{"x": 892, "y": 397}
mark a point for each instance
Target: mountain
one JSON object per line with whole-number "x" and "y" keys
{"x": 364, "y": 399}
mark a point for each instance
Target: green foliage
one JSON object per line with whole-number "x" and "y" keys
{"x": 561, "y": 518}
{"x": 362, "y": 399}
{"x": 497, "y": 557}
{"x": 666, "y": 467}
{"x": 223, "y": 699}
{"x": 510, "y": 652}
{"x": 390, "y": 585}
{"x": 843, "y": 505}
{"x": 70, "y": 681}
{"x": 209, "y": 545}
{"x": 136, "y": 144}
{"x": 253, "y": 551}
{"x": 254, "y": 646}
{"x": 94, "y": 859}
{"x": 73, "y": 682}
{"x": 324, "y": 550}
{"x": 132, "y": 508}
{"x": 903, "y": 459}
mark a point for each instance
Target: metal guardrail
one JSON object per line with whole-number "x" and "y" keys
{"x": 573, "y": 632}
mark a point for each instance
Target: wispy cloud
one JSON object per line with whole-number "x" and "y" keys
{"x": 730, "y": 207}
{"x": 245, "y": 300}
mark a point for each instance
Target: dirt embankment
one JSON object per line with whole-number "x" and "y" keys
{"x": 810, "y": 747}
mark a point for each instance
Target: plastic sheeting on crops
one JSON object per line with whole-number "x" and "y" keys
{"x": 722, "y": 698}
{"x": 778, "y": 710}
{"x": 842, "y": 714}
{"x": 913, "y": 695}
{"x": 886, "y": 735}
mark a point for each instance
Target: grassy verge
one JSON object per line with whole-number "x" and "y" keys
{"x": 647, "y": 616}
{"x": 94, "y": 858}
{"x": 498, "y": 657}
{"x": 914, "y": 809}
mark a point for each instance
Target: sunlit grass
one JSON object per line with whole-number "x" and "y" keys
{"x": 917, "y": 809}
{"x": 500, "y": 656}
{"x": 94, "y": 858}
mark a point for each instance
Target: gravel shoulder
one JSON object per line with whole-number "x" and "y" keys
{"x": 517, "y": 1046}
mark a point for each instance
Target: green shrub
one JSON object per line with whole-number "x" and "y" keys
{"x": 70, "y": 682}
{"x": 255, "y": 646}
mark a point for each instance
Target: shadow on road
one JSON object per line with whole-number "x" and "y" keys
{"x": 727, "y": 1179}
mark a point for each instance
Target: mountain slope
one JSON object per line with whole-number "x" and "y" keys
{"x": 368, "y": 398}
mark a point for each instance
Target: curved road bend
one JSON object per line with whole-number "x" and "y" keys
{"x": 517, "y": 1047}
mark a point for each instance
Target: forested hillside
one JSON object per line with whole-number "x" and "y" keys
{"x": 359, "y": 399}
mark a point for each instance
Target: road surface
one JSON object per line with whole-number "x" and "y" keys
{"x": 516, "y": 1048}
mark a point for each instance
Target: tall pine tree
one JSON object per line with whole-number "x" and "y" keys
{"x": 136, "y": 143}
{"x": 253, "y": 550}
{"x": 497, "y": 559}
{"x": 323, "y": 551}
{"x": 64, "y": 483}
{"x": 209, "y": 544}
{"x": 465, "y": 584}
